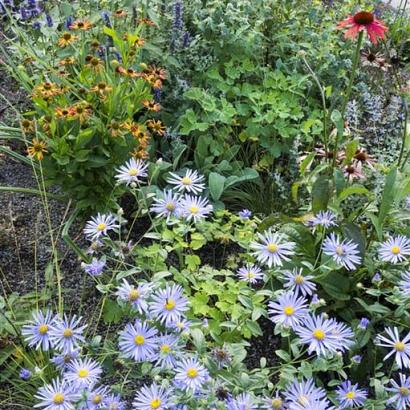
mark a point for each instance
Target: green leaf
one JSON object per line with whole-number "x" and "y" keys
{"x": 353, "y": 232}
{"x": 320, "y": 194}
{"x": 388, "y": 197}
{"x": 216, "y": 185}
{"x": 352, "y": 190}
{"x": 112, "y": 312}
{"x": 192, "y": 262}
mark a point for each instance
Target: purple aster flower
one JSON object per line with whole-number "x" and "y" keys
{"x": 96, "y": 397}
{"x": 395, "y": 250}
{"x": 274, "y": 403}
{"x": 168, "y": 350}
{"x": 36, "y": 25}
{"x": 404, "y": 284}
{"x": 62, "y": 360}
{"x": 350, "y": 396}
{"x": 190, "y": 374}
{"x": 344, "y": 252}
{"x": 376, "y": 278}
{"x": 83, "y": 373}
{"x": 364, "y": 322}
{"x": 66, "y": 334}
{"x": 243, "y": 401}
{"x": 138, "y": 342}
{"x": 357, "y": 359}
{"x": 114, "y": 402}
{"x": 94, "y": 268}
{"x": 289, "y": 310}
{"x": 136, "y": 296}
{"x": 250, "y": 273}
{"x": 245, "y": 214}
{"x": 132, "y": 171}
{"x": 304, "y": 392}
{"x": 298, "y": 283}
{"x": 58, "y": 395}
{"x": 68, "y": 22}
{"x": 324, "y": 218}
{"x": 323, "y": 335}
{"x": 221, "y": 356}
{"x": 37, "y": 331}
{"x": 400, "y": 347}
{"x": 181, "y": 325}
{"x": 401, "y": 392}
{"x": 49, "y": 20}
{"x": 99, "y": 226}
{"x": 272, "y": 248}
{"x": 194, "y": 208}
{"x": 168, "y": 205}
{"x": 25, "y": 374}
{"x": 315, "y": 405}
{"x": 152, "y": 397}
{"x": 190, "y": 182}
{"x": 168, "y": 305}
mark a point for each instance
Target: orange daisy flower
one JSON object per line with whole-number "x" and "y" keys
{"x": 156, "y": 126}
{"x": 82, "y": 111}
{"x": 67, "y": 61}
{"x": 37, "y": 149}
{"x": 101, "y": 88}
{"x": 120, "y": 13}
{"x": 64, "y": 112}
{"x": 27, "y": 126}
{"x": 115, "y": 129}
{"x": 47, "y": 90}
{"x": 364, "y": 20}
{"x": 95, "y": 64}
{"x": 67, "y": 39}
{"x": 81, "y": 25}
{"x": 151, "y": 105}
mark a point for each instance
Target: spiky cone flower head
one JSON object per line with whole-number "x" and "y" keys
{"x": 363, "y": 21}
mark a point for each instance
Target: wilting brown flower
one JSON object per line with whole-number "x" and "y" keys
{"x": 82, "y": 111}
{"x": 353, "y": 171}
{"x": 81, "y": 25}
{"x": 95, "y": 64}
{"x": 64, "y": 112}
{"x": 115, "y": 128}
{"x": 102, "y": 88}
{"x": 37, "y": 149}
{"x": 375, "y": 60}
{"x": 151, "y": 105}
{"x": 27, "y": 126}
{"x": 47, "y": 89}
{"x": 156, "y": 126}
{"x": 67, "y": 39}
{"x": 139, "y": 42}
{"x": 140, "y": 153}
{"x": 67, "y": 61}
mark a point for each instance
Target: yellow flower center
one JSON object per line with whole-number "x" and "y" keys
{"x": 395, "y": 250}
{"x": 272, "y": 247}
{"x": 83, "y": 373}
{"x": 404, "y": 391}
{"x": 319, "y": 334}
{"x": 194, "y": 209}
{"x": 169, "y": 304}
{"x": 139, "y": 340}
{"x": 350, "y": 395}
{"x": 166, "y": 348}
{"x": 277, "y": 403}
{"x": 250, "y": 275}
{"x": 133, "y": 295}
{"x": 299, "y": 279}
{"x": 186, "y": 181}
{"x": 400, "y": 346}
{"x": 170, "y": 206}
{"x": 58, "y": 398}
{"x": 97, "y": 399}
{"x": 288, "y": 310}
{"x": 43, "y": 329}
{"x": 67, "y": 332}
{"x": 192, "y": 373}
{"x": 101, "y": 226}
{"x": 339, "y": 250}
{"x": 133, "y": 171}
{"x": 155, "y": 404}
{"x": 303, "y": 400}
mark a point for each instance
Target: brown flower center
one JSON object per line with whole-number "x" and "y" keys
{"x": 363, "y": 18}
{"x": 371, "y": 57}
{"x": 361, "y": 156}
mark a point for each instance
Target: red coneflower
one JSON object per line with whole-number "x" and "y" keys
{"x": 363, "y": 20}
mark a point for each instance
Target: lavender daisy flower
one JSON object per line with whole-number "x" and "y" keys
{"x": 324, "y": 218}
{"x": 404, "y": 284}
{"x": 152, "y": 397}
{"x": 250, "y": 273}
{"x": 83, "y": 373}
{"x": 243, "y": 401}
{"x": 94, "y": 268}
{"x": 304, "y": 392}
{"x": 395, "y": 250}
{"x": 344, "y": 252}
{"x": 274, "y": 403}
{"x": 299, "y": 283}
{"x": 195, "y": 208}
{"x": 357, "y": 359}
{"x": 245, "y": 214}
{"x": 181, "y": 325}
{"x": 190, "y": 182}
{"x": 315, "y": 405}
{"x": 96, "y": 397}
{"x": 25, "y": 374}
{"x": 113, "y": 402}
{"x": 288, "y": 310}
{"x": 136, "y": 296}
{"x": 350, "y": 396}
{"x": 37, "y": 331}
{"x": 168, "y": 351}
{"x": 190, "y": 374}
{"x": 100, "y": 225}
{"x": 57, "y": 396}
{"x": 400, "y": 347}
{"x": 138, "y": 342}
{"x": 323, "y": 335}
{"x": 401, "y": 396}
{"x": 273, "y": 250}
{"x": 62, "y": 360}
{"x": 132, "y": 171}
{"x": 168, "y": 206}
{"x": 66, "y": 334}
{"x": 221, "y": 356}
{"x": 169, "y": 304}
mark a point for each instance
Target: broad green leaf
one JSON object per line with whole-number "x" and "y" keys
{"x": 320, "y": 193}
{"x": 216, "y": 185}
